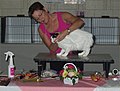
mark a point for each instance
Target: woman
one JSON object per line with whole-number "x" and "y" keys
{"x": 62, "y": 22}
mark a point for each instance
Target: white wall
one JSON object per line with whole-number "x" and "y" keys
{"x": 92, "y": 8}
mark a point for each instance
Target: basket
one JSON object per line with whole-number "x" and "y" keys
{"x": 72, "y": 79}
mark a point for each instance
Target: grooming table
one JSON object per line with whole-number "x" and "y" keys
{"x": 104, "y": 59}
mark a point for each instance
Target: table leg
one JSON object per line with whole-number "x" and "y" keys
{"x": 106, "y": 67}
{"x": 103, "y": 66}
{"x": 39, "y": 69}
{"x": 81, "y": 66}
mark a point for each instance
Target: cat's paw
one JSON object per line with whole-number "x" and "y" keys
{"x": 81, "y": 54}
{"x": 85, "y": 55}
{"x": 58, "y": 54}
{"x": 64, "y": 55}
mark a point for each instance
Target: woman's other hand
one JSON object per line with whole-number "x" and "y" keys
{"x": 61, "y": 36}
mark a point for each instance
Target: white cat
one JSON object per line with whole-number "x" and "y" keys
{"x": 77, "y": 40}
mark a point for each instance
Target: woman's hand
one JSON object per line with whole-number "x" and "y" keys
{"x": 61, "y": 36}
{"x": 53, "y": 46}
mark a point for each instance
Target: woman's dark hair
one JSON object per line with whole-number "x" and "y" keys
{"x": 35, "y": 6}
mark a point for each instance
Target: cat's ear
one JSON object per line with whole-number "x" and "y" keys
{"x": 51, "y": 34}
{"x": 54, "y": 35}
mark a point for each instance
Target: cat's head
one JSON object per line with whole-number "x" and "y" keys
{"x": 53, "y": 37}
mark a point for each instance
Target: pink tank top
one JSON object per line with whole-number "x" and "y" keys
{"x": 61, "y": 27}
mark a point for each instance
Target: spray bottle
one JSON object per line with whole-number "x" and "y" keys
{"x": 11, "y": 70}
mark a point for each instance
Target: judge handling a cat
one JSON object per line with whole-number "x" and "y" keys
{"x": 62, "y": 22}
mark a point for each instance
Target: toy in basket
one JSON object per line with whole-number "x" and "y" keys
{"x": 70, "y": 74}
